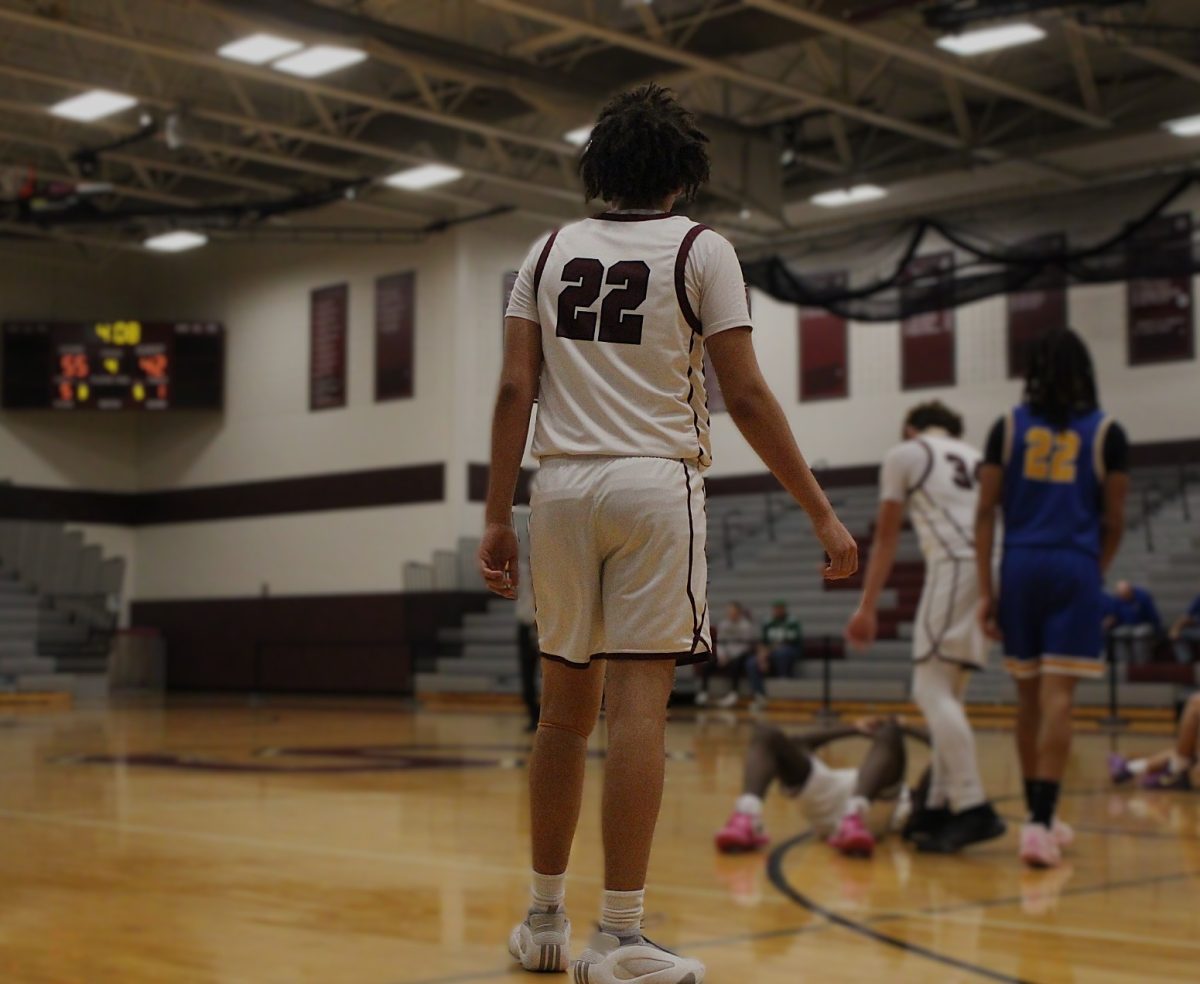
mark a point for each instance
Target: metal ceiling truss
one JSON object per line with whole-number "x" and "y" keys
{"x": 846, "y": 98}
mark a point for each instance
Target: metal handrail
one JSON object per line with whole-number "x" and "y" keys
{"x": 727, "y": 535}
{"x": 1183, "y": 488}
{"x": 1147, "y": 525}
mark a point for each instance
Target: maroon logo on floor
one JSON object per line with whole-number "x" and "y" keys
{"x": 342, "y": 759}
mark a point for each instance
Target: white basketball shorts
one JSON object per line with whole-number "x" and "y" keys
{"x": 946, "y": 626}
{"x": 617, "y": 554}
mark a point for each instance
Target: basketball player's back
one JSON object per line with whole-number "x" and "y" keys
{"x": 619, "y": 301}
{"x": 943, "y": 502}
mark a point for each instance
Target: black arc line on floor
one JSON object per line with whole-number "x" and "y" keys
{"x": 779, "y": 880}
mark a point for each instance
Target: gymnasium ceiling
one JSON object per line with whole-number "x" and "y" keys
{"x": 801, "y": 96}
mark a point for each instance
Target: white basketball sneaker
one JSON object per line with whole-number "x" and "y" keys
{"x": 542, "y": 943}
{"x": 633, "y": 959}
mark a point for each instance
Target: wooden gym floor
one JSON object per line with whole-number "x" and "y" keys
{"x": 340, "y": 842}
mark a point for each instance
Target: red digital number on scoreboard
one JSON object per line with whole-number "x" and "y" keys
{"x": 75, "y": 366}
{"x": 154, "y": 366}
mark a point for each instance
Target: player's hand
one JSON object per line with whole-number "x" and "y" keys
{"x": 869, "y": 725}
{"x": 862, "y": 629}
{"x": 839, "y": 545}
{"x": 986, "y": 616}
{"x": 498, "y": 559}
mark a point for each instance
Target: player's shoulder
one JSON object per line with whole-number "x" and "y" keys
{"x": 707, "y": 240}
{"x": 912, "y": 448}
{"x": 962, "y": 447}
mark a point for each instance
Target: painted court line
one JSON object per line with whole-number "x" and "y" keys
{"x": 779, "y": 880}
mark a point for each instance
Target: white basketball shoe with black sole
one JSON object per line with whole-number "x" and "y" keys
{"x": 542, "y": 943}
{"x": 633, "y": 959}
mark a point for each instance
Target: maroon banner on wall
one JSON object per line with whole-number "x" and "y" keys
{"x": 395, "y": 331}
{"x": 328, "y": 329}
{"x": 1034, "y": 311}
{"x": 1160, "y": 326}
{"x": 927, "y": 342}
{"x": 824, "y": 350}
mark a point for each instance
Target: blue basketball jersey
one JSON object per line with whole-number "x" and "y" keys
{"x": 1053, "y": 481}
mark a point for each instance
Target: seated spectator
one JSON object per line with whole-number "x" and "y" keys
{"x": 782, "y": 642}
{"x": 736, "y": 639}
{"x": 1133, "y": 622}
{"x": 1185, "y": 633}
{"x": 1172, "y": 768}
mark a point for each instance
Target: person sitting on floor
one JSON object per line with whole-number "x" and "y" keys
{"x": 849, "y": 807}
{"x": 736, "y": 640}
{"x": 1185, "y": 633}
{"x": 1133, "y": 622}
{"x": 1174, "y": 768}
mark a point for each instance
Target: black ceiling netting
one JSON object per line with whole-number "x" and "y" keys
{"x": 1155, "y": 242}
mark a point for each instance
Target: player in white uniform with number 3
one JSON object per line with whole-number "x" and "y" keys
{"x": 608, "y": 323}
{"x": 932, "y": 473}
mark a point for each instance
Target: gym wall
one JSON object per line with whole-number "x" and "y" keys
{"x": 859, "y": 429}
{"x": 218, "y": 533}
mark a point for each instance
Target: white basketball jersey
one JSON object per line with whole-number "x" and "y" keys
{"x": 624, "y": 301}
{"x": 936, "y": 475}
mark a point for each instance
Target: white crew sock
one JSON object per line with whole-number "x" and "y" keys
{"x": 857, "y": 806}
{"x": 1137, "y": 767}
{"x": 549, "y": 892}
{"x": 1178, "y": 764}
{"x": 750, "y": 804}
{"x": 621, "y": 912}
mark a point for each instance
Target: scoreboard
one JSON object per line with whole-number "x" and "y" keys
{"x": 113, "y": 365}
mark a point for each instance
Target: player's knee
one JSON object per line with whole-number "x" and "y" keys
{"x": 767, "y": 735}
{"x": 579, "y": 728}
{"x": 889, "y": 729}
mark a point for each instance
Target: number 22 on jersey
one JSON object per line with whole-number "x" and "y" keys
{"x": 1051, "y": 457}
{"x": 585, "y": 278}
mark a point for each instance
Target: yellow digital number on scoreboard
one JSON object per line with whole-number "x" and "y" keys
{"x": 120, "y": 332}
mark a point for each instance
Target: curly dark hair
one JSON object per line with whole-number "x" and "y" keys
{"x": 934, "y": 414}
{"x": 644, "y": 147}
{"x": 1060, "y": 382}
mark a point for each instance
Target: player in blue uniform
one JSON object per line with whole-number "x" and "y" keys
{"x": 1057, "y": 466}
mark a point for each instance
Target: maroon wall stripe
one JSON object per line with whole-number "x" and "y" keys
{"x": 404, "y": 485}
{"x": 477, "y": 484}
{"x": 1155, "y": 453}
{"x": 681, "y": 257}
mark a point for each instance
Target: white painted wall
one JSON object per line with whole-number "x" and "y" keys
{"x": 344, "y": 552}
{"x": 261, "y": 293}
{"x": 1155, "y": 403}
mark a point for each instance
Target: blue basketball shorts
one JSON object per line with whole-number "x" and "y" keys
{"x": 1051, "y": 610}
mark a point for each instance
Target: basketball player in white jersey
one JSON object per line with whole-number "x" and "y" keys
{"x": 933, "y": 473}
{"x": 607, "y": 327}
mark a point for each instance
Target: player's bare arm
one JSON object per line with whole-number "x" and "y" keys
{"x": 864, "y": 727}
{"x": 761, "y": 420}
{"x": 1116, "y": 491}
{"x": 510, "y": 430}
{"x": 864, "y": 624}
{"x": 991, "y": 481}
